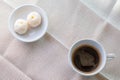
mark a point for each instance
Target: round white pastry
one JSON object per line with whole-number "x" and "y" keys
{"x": 34, "y": 19}
{"x": 21, "y": 26}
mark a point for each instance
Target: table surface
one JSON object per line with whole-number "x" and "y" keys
{"x": 69, "y": 20}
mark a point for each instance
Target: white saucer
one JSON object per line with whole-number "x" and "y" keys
{"x": 22, "y": 12}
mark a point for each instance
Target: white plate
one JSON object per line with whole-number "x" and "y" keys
{"x": 32, "y": 34}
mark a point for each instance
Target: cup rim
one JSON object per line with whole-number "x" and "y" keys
{"x": 80, "y": 72}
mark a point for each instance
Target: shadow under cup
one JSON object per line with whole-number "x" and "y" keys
{"x": 101, "y": 53}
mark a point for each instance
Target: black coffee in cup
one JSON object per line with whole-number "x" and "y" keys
{"x": 86, "y": 58}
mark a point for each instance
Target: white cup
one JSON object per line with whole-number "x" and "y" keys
{"x": 99, "y": 47}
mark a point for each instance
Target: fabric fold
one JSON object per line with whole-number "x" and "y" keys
{"x": 9, "y": 72}
{"x": 100, "y": 7}
{"x": 114, "y": 17}
{"x": 16, "y": 3}
{"x": 5, "y": 36}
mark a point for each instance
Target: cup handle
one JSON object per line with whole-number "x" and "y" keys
{"x": 110, "y": 56}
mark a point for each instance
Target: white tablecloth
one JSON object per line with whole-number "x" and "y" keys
{"x": 69, "y": 21}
